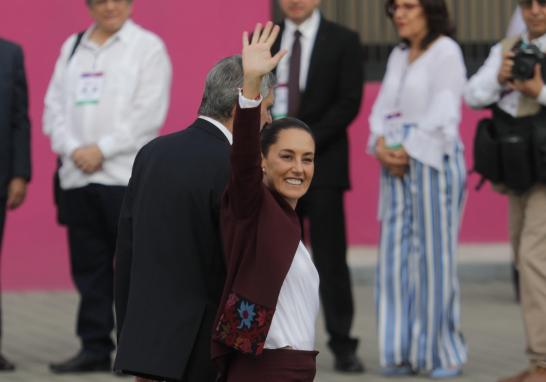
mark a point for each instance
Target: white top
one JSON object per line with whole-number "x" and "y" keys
{"x": 294, "y": 320}
{"x": 427, "y": 94}
{"x": 134, "y": 97}
{"x": 309, "y": 29}
{"x": 483, "y": 88}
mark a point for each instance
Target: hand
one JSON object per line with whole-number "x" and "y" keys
{"x": 257, "y": 59}
{"x": 398, "y": 171}
{"x": 17, "y": 190}
{"x": 532, "y": 87}
{"x": 88, "y": 158}
{"x": 505, "y": 72}
{"x": 396, "y": 161}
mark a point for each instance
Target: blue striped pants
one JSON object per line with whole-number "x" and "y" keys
{"x": 417, "y": 291}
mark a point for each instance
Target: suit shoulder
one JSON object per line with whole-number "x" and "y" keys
{"x": 339, "y": 30}
{"x": 10, "y": 46}
{"x": 448, "y": 47}
{"x": 149, "y": 37}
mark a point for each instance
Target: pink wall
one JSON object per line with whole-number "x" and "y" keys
{"x": 197, "y": 35}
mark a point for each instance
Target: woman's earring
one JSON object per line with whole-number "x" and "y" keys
{"x": 263, "y": 170}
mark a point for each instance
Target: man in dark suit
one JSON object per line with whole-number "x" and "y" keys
{"x": 14, "y": 139}
{"x": 320, "y": 82}
{"x": 169, "y": 263}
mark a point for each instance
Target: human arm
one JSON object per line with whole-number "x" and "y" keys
{"x": 124, "y": 253}
{"x": 54, "y": 118}
{"x": 483, "y": 88}
{"x": 394, "y": 160}
{"x": 20, "y": 123}
{"x": 246, "y": 176}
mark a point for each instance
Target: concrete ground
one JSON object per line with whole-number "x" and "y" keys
{"x": 39, "y": 326}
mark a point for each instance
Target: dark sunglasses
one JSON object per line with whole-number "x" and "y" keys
{"x": 529, "y": 3}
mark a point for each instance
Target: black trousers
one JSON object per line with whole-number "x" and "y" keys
{"x": 323, "y": 207}
{"x": 3, "y": 201}
{"x": 92, "y": 214}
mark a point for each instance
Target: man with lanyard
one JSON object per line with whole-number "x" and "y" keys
{"x": 14, "y": 140}
{"x": 320, "y": 82}
{"x": 494, "y": 84}
{"x": 108, "y": 97}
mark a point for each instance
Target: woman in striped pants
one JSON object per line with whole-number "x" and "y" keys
{"x": 415, "y": 136}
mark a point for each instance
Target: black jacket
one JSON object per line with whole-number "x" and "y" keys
{"x": 332, "y": 98}
{"x": 169, "y": 264}
{"x": 14, "y": 121}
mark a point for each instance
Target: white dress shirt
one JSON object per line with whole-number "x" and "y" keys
{"x": 427, "y": 95}
{"x": 483, "y": 88}
{"x": 131, "y": 109}
{"x": 298, "y": 305}
{"x": 308, "y": 29}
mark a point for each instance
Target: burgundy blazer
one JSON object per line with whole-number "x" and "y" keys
{"x": 261, "y": 233}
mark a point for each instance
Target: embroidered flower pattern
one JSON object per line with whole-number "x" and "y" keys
{"x": 243, "y": 325}
{"x": 246, "y": 314}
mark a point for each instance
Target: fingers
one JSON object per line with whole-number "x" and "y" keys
{"x": 245, "y": 39}
{"x": 266, "y": 32}
{"x": 267, "y": 35}
{"x": 538, "y": 72}
{"x": 278, "y": 57}
{"x": 273, "y": 35}
{"x": 15, "y": 198}
{"x": 256, "y": 34}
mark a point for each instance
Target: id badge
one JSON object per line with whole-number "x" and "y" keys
{"x": 394, "y": 130}
{"x": 89, "y": 88}
{"x": 280, "y": 107}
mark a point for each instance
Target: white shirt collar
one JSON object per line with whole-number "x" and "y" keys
{"x": 124, "y": 34}
{"x": 308, "y": 28}
{"x": 539, "y": 42}
{"x": 220, "y": 127}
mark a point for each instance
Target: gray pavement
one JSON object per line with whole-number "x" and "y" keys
{"x": 39, "y": 327}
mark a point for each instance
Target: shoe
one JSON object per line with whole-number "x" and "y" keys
{"x": 397, "y": 371}
{"x": 83, "y": 362}
{"x": 348, "y": 364}
{"x": 442, "y": 373}
{"x": 516, "y": 378}
{"x": 6, "y": 365}
{"x": 536, "y": 375}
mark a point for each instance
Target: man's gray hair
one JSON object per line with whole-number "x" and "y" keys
{"x": 222, "y": 88}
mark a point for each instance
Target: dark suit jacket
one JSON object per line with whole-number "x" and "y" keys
{"x": 169, "y": 265}
{"x": 14, "y": 121}
{"x": 332, "y": 99}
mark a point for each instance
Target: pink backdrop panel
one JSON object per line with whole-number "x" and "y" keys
{"x": 197, "y": 35}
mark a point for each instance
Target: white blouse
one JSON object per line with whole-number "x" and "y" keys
{"x": 427, "y": 95}
{"x": 294, "y": 320}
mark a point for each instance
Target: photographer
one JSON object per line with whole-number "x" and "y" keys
{"x": 511, "y": 83}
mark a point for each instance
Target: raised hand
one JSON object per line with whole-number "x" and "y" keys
{"x": 257, "y": 58}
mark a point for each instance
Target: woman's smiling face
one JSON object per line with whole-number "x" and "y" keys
{"x": 289, "y": 164}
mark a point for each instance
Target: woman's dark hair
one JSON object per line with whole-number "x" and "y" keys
{"x": 270, "y": 133}
{"x": 437, "y": 16}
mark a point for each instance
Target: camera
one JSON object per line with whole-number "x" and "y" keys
{"x": 525, "y": 59}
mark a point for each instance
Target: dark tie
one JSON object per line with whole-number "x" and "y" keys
{"x": 294, "y": 76}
